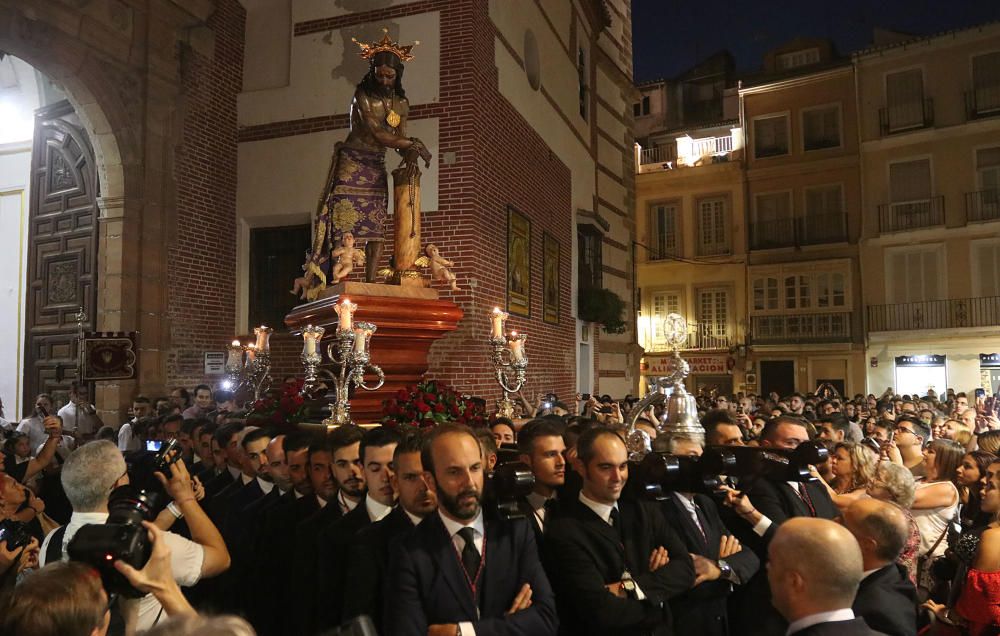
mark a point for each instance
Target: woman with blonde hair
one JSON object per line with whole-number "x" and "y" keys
{"x": 853, "y": 468}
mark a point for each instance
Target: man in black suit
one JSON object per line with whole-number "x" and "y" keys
{"x": 614, "y": 563}
{"x": 814, "y": 570}
{"x": 886, "y": 598}
{"x": 368, "y": 558}
{"x": 344, "y": 469}
{"x": 254, "y": 482}
{"x": 335, "y": 541}
{"x": 720, "y": 562}
{"x": 226, "y": 438}
{"x": 769, "y": 504}
{"x": 542, "y": 449}
{"x": 306, "y": 458}
{"x": 459, "y": 572}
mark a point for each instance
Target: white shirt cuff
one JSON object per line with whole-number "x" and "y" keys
{"x": 466, "y": 629}
{"x": 762, "y": 526}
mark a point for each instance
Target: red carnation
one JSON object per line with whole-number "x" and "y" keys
{"x": 423, "y": 408}
{"x": 439, "y": 408}
{"x": 429, "y": 397}
{"x": 402, "y": 394}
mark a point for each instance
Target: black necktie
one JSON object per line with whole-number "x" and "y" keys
{"x": 551, "y": 505}
{"x": 616, "y": 522}
{"x": 470, "y": 555}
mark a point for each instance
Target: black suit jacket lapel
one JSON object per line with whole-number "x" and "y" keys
{"x": 447, "y": 564}
{"x": 796, "y": 507}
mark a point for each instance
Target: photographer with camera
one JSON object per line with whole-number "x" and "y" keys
{"x": 89, "y": 477}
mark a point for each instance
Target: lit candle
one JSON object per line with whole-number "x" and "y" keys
{"x": 346, "y": 311}
{"x": 235, "y": 359}
{"x": 263, "y": 334}
{"x": 517, "y": 346}
{"x": 251, "y": 353}
{"x": 498, "y": 319}
{"x": 311, "y": 336}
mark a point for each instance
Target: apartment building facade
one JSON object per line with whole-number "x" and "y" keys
{"x": 929, "y": 115}
{"x": 804, "y": 218}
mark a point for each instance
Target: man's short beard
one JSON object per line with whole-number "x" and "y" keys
{"x": 451, "y": 504}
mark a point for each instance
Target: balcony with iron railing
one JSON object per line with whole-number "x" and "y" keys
{"x": 702, "y": 336}
{"x": 801, "y": 328}
{"x": 912, "y": 115}
{"x": 935, "y": 314}
{"x": 814, "y": 229}
{"x": 983, "y": 205}
{"x": 982, "y": 102}
{"x": 911, "y": 215}
{"x": 658, "y": 154}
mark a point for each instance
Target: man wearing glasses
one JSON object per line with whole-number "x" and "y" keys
{"x": 911, "y": 434}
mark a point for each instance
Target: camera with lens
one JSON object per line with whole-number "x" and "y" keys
{"x": 506, "y": 487}
{"x": 14, "y": 534}
{"x": 661, "y": 473}
{"x": 120, "y": 538}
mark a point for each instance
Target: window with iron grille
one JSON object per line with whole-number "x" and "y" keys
{"x": 589, "y": 264}
{"x": 663, "y": 230}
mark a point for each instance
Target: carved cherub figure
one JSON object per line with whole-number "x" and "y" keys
{"x": 439, "y": 267}
{"x": 311, "y": 283}
{"x": 347, "y": 257}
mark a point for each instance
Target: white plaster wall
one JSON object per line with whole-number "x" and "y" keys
{"x": 325, "y": 69}
{"x": 268, "y": 44}
{"x": 318, "y": 9}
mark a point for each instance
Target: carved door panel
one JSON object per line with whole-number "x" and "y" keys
{"x": 62, "y": 251}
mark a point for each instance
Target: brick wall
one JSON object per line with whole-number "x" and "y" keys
{"x": 501, "y": 161}
{"x": 202, "y": 259}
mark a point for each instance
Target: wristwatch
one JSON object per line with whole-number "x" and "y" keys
{"x": 628, "y": 585}
{"x": 726, "y": 570}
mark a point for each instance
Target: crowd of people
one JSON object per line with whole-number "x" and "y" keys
{"x": 285, "y": 532}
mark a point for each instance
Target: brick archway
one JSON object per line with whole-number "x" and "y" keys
{"x": 147, "y": 81}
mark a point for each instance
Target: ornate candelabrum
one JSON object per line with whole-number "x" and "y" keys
{"x": 680, "y": 417}
{"x": 253, "y": 372}
{"x": 349, "y": 352}
{"x": 509, "y": 362}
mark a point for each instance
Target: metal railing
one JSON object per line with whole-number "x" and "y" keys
{"x": 660, "y": 153}
{"x": 911, "y": 215}
{"x": 983, "y": 205}
{"x": 935, "y": 314}
{"x": 982, "y": 102}
{"x": 906, "y": 116}
{"x": 711, "y": 146}
{"x": 814, "y": 229}
{"x": 801, "y": 328}
{"x": 702, "y": 336}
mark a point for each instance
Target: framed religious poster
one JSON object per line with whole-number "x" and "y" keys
{"x": 518, "y": 263}
{"x": 550, "y": 279}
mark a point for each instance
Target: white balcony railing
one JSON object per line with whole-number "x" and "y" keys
{"x": 686, "y": 152}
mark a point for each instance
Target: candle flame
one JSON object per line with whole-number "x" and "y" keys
{"x": 236, "y": 343}
{"x": 513, "y": 334}
{"x": 496, "y": 310}
{"x": 346, "y": 300}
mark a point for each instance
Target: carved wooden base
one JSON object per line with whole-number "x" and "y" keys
{"x": 409, "y": 321}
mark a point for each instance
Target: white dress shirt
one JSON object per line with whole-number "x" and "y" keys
{"x": 265, "y": 486}
{"x": 346, "y": 504}
{"x": 479, "y": 527}
{"x": 537, "y": 503}
{"x": 376, "y": 511}
{"x": 823, "y": 617}
{"x": 127, "y": 441}
{"x": 77, "y": 420}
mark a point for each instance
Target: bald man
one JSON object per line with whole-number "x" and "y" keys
{"x": 886, "y": 598}
{"x": 814, "y": 569}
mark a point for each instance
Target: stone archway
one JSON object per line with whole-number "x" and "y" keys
{"x": 122, "y": 68}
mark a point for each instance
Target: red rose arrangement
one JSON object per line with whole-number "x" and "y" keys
{"x": 430, "y": 404}
{"x": 282, "y": 409}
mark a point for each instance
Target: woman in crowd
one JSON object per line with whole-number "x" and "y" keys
{"x": 853, "y": 468}
{"x": 989, "y": 441}
{"x": 936, "y": 502}
{"x": 977, "y": 610}
{"x": 895, "y": 483}
{"x": 970, "y": 473}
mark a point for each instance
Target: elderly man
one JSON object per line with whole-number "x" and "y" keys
{"x": 89, "y": 476}
{"x": 814, "y": 569}
{"x": 886, "y": 598}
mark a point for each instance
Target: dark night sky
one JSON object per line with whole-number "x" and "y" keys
{"x": 670, "y": 36}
